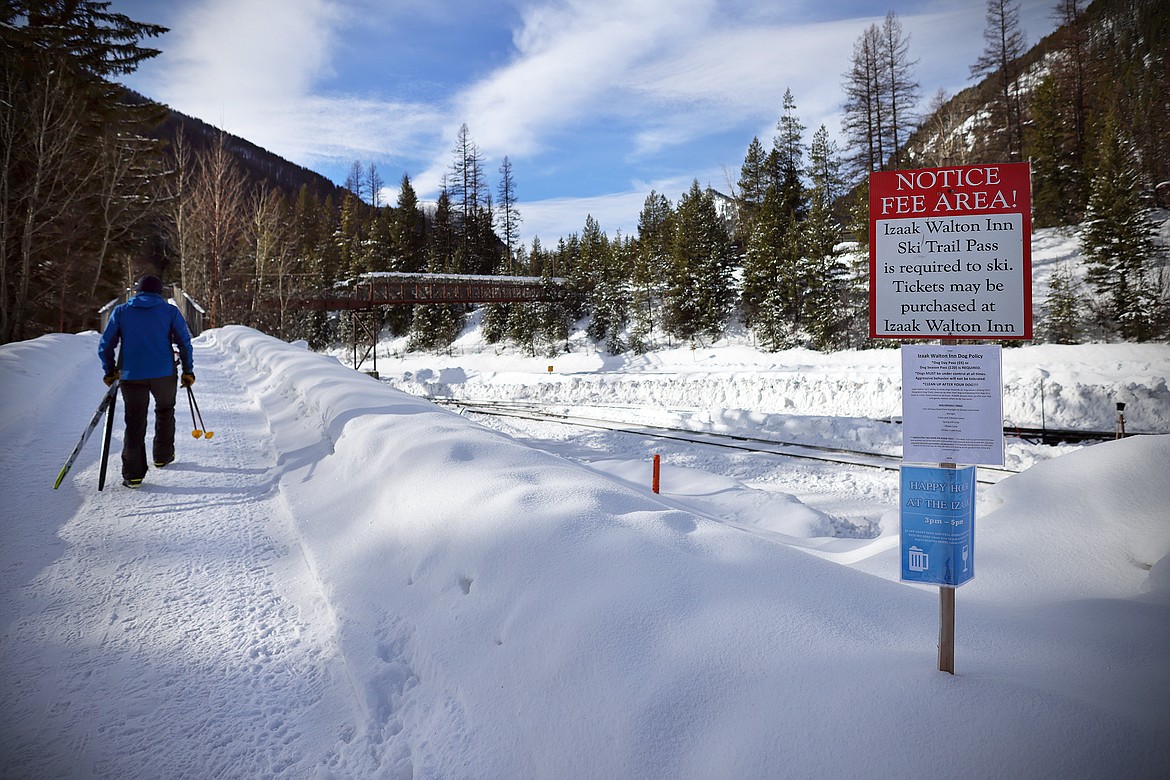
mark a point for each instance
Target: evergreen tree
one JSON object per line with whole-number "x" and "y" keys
{"x": 379, "y": 249}
{"x": 471, "y": 203}
{"x": 72, "y": 159}
{"x": 1118, "y": 240}
{"x": 350, "y": 236}
{"x": 825, "y": 171}
{"x": 761, "y": 295}
{"x": 788, "y": 160}
{"x": 650, "y": 266}
{"x": 1063, "y": 319}
{"x": 608, "y": 263}
{"x": 550, "y": 323}
{"x": 824, "y": 277}
{"x": 509, "y": 216}
{"x": 753, "y": 183}
{"x": 700, "y": 293}
{"x": 1056, "y": 135}
{"x": 436, "y": 325}
{"x": 408, "y": 237}
{"x": 1056, "y": 167}
{"x": 494, "y": 321}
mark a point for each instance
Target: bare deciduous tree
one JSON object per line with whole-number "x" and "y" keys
{"x": 218, "y": 200}
{"x": 1003, "y": 46}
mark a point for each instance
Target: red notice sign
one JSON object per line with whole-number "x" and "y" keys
{"x": 950, "y": 253}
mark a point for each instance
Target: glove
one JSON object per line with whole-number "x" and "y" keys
{"x": 111, "y": 377}
{"x": 187, "y": 379}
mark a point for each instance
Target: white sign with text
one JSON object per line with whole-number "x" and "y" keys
{"x": 952, "y": 404}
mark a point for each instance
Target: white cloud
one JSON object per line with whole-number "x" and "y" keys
{"x": 237, "y": 51}
{"x": 555, "y": 218}
{"x": 657, "y": 75}
{"x": 254, "y": 67}
{"x": 570, "y": 62}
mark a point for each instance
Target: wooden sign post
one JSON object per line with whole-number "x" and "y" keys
{"x": 950, "y": 259}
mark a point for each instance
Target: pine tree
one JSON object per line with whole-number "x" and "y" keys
{"x": 408, "y": 231}
{"x": 824, "y": 276}
{"x": 753, "y": 183}
{"x": 494, "y": 321}
{"x": 788, "y": 160}
{"x": 437, "y": 325}
{"x": 607, "y": 263}
{"x": 1055, "y": 166}
{"x": 825, "y": 170}
{"x": 471, "y": 203}
{"x": 71, "y": 157}
{"x": 1056, "y": 136}
{"x": 509, "y": 217}
{"x": 650, "y": 267}
{"x": 761, "y": 296}
{"x": 552, "y": 316}
{"x": 1063, "y": 319}
{"x": 700, "y": 293}
{"x": 1118, "y": 239}
{"x": 351, "y": 235}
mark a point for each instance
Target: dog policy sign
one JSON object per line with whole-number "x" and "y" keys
{"x": 950, "y": 253}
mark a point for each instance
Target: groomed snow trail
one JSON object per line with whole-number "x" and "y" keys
{"x": 127, "y": 655}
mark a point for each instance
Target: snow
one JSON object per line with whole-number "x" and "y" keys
{"x": 348, "y": 581}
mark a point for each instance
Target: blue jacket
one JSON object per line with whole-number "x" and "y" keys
{"x": 146, "y": 325}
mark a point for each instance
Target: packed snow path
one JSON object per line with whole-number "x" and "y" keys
{"x": 348, "y": 582}
{"x": 181, "y": 614}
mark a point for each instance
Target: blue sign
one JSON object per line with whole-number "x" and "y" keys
{"x": 938, "y": 525}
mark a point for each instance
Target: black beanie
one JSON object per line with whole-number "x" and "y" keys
{"x": 150, "y": 284}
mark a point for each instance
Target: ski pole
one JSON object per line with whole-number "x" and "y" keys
{"x": 106, "y": 441}
{"x": 109, "y": 429}
{"x": 202, "y": 429}
{"x": 196, "y": 431}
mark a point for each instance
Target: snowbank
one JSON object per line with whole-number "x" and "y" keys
{"x": 529, "y": 603}
{"x": 351, "y": 582}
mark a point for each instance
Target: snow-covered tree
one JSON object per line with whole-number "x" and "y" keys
{"x": 1063, "y": 319}
{"x": 700, "y": 294}
{"x": 1118, "y": 240}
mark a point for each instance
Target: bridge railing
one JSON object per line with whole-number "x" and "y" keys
{"x": 390, "y": 288}
{"x": 192, "y": 312}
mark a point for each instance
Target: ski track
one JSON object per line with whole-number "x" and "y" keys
{"x": 127, "y": 653}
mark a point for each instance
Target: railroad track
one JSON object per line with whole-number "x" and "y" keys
{"x": 789, "y": 449}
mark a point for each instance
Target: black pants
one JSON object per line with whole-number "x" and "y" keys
{"x": 136, "y": 394}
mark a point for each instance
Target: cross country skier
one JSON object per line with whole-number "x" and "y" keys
{"x": 146, "y": 326}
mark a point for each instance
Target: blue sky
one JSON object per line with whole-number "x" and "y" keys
{"x": 595, "y": 102}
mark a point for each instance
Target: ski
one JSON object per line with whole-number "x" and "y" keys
{"x": 106, "y": 404}
{"x": 106, "y": 441}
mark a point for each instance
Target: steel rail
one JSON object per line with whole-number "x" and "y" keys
{"x": 988, "y": 475}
